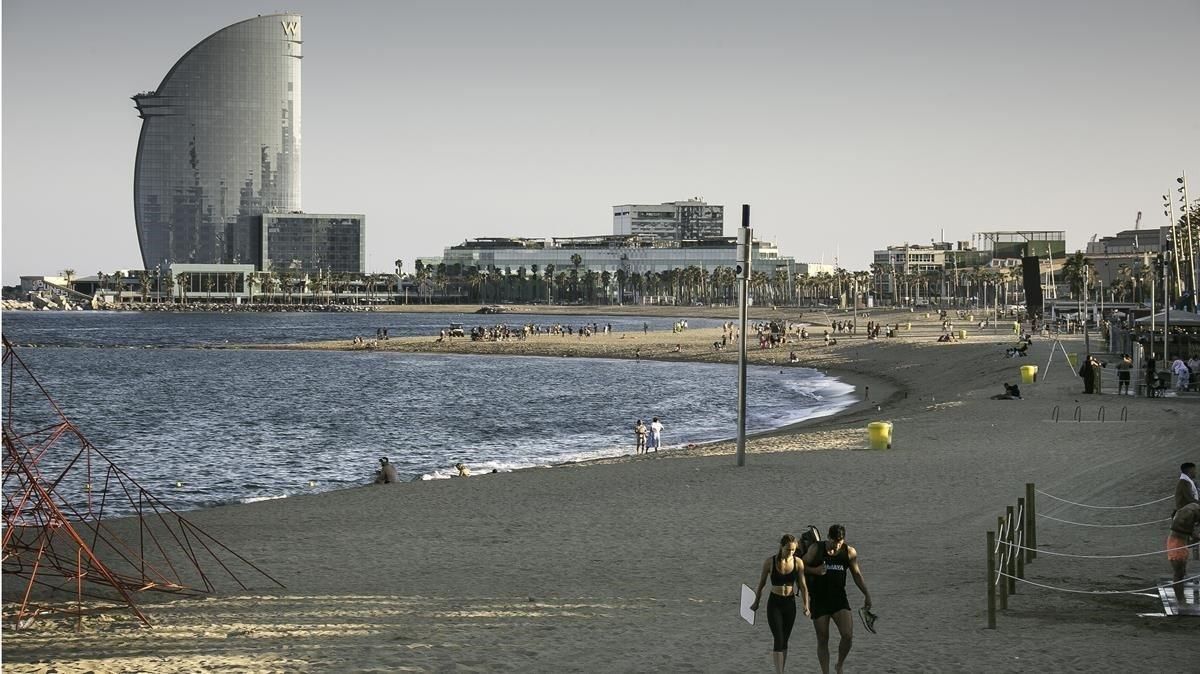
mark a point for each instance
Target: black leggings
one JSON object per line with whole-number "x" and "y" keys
{"x": 781, "y": 615}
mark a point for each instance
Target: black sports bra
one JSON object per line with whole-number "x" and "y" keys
{"x": 778, "y": 578}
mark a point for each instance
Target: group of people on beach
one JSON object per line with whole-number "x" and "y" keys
{"x": 816, "y": 569}
{"x": 647, "y": 437}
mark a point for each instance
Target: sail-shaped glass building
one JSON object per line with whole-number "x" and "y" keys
{"x": 220, "y": 145}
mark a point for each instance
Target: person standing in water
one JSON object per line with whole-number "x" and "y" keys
{"x": 786, "y": 571}
{"x": 639, "y": 436}
{"x": 827, "y": 563}
{"x": 656, "y": 429}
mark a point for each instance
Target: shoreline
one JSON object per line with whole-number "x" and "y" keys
{"x": 594, "y": 566}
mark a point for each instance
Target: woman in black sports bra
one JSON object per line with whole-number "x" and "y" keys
{"x": 786, "y": 571}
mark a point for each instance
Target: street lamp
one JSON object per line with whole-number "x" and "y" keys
{"x": 1187, "y": 220}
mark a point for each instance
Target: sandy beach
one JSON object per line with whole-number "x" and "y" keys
{"x": 634, "y": 564}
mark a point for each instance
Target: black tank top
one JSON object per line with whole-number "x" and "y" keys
{"x": 836, "y": 566}
{"x": 789, "y": 578}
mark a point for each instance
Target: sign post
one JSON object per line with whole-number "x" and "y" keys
{"x": 743, "y": 275}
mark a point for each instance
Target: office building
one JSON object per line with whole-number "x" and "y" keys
{"x": 311, "y": 243}
{"x": 674, "y": 221}
{"x": 634, "y": 254}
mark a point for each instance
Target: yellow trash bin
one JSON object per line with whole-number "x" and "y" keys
{"x": 908, "y": 326}
{"x": 879, "y": 434}
{"x": 962, "y": 334}
{"x": 1073, "y": 359}
{"x": 1028, "y": 374}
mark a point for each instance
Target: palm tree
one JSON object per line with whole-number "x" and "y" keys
{"x": 606, "y": 279}
{"x": 184, "y": 281}
{"x": 251, "y": 281}
{"x": 231, "y": 284}
{"x": 548, "y": 274}
{"x": 69, "y": 275}
{"x": 166, "y": 284}
{"x": 117, "y": 284}
{"x": 144, "y": 279}
{"x": 1075, "y": 272}
{"x": 560, "y": 280}
{"x": 210, "y": 284}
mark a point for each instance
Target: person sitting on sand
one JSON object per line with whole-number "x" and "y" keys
{"x": 463, "y": 471}
{"x": 944, "y": 337}
{"x": 677, "y": 349}
{"x": 386, "y": 473}
{"x": 1011, "y": 392}
{"x": 793, "y": 358}
{"x": 1021, "y": 350}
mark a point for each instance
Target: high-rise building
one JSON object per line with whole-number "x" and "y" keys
{"x": 220, "y": 145}
{"x": 672, "y": 221}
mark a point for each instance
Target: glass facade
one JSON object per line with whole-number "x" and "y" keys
{"x": 220, "y": 145}
{"x": 311, "y": 243}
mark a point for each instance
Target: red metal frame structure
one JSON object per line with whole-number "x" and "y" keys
{"x": 57, "y": 490}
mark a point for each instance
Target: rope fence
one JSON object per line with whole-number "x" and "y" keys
{"x": 1106, "y": 526}
{"x": 1075, "y": 556}
{"x": 1101, "y": 507}
{"x": 1076, "y": 591}
{"x": 1013, "y": 545}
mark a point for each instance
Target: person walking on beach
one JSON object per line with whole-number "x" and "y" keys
{"x": 639, "y": 435}
{"x": 1185, "y": 530}
{"x": 1123, "y": 368}
{"x": 656, "y": 429}
{"x": 827, "y": 563}
{"x": 1085, "y": 371}
{"x": 1185, "y": 489}
{"x": 786, "y": 571}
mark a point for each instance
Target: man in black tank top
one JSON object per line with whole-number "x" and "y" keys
{"x": 826, "y": 565}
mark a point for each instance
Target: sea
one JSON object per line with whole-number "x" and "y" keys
{"x": 198, "y": 424}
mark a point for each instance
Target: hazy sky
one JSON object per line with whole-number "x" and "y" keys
{"x": 846, "y": 125}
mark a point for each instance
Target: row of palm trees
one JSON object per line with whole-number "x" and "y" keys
{"x": 440, "y": 283}
{"x": 686, "y": 285}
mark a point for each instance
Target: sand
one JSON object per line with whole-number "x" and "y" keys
{"x": 634, "y": 564}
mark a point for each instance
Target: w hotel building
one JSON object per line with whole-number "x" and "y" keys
{"x": 220, "y": 147}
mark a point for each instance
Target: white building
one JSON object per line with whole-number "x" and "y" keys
{"x": 670, "y": 221}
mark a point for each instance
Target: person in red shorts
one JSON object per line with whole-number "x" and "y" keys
{"x": 1185, "y": 528}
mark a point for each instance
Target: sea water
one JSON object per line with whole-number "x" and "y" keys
{"x": 199, "y": 427}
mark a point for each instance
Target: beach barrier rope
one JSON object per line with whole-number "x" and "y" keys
{"x": 1105, "y": 526}
{"x": 1077, "y": 591}
{"x": 1101, "y": 507}
{"x": 1075, "y": 556}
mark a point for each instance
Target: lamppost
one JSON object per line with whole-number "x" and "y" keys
{"x": 1187, "y": 221}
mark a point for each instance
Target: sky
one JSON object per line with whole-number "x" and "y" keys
{"x": 846, "y": 126}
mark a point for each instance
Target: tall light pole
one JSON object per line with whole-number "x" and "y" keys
{"x": 1187, "y": 220}
{"x": 743, "y": 273}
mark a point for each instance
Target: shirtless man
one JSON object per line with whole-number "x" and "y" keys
{"x": 827, "y": 563}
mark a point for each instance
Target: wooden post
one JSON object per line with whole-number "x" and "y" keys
{"x": 1001, "y": 582}
{"x": 1030, "y": 522}
{"x": 1010, "y": 566}
{"x": 1021, "y": 514}
{"x": 991, "y": 580}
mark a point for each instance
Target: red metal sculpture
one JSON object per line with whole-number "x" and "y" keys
{"x": 77, "y": 526}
